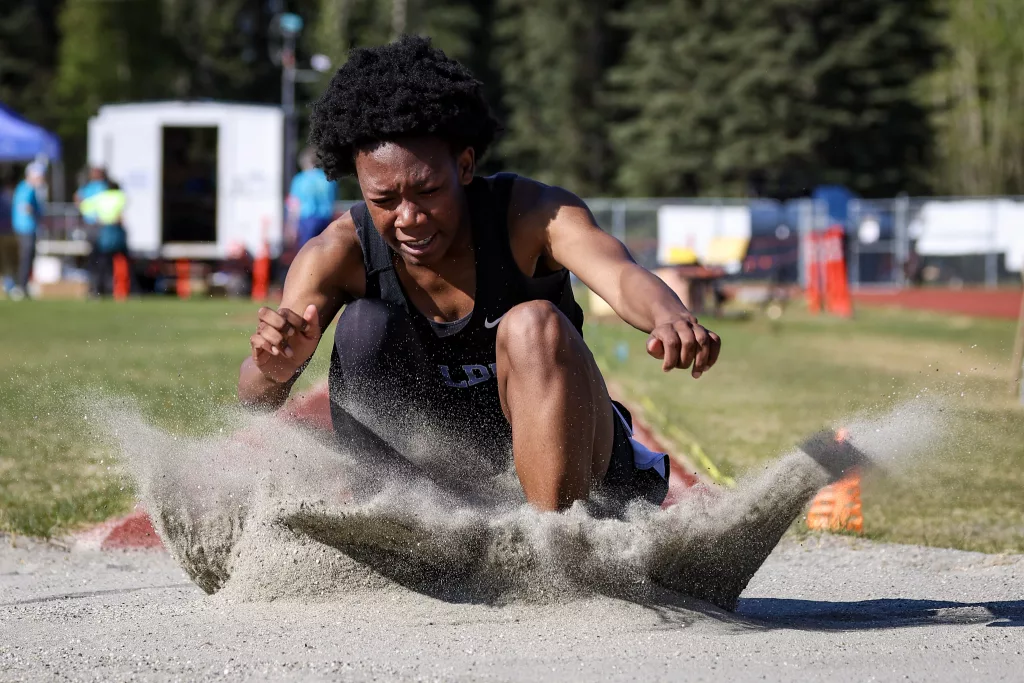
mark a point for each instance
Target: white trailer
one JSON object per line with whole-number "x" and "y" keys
{"x": 199, "y": 175}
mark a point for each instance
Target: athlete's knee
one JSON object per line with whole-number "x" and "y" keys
{"x": 535, "y": 331}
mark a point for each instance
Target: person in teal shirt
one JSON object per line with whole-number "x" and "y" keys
{"x": 311, "y": 199}
{"x": 26, "y": 212}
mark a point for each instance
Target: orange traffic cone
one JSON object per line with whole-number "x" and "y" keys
{"x": 122, "y": 281}
{"x": 184, "y": 284}
{"x": 261, "y": 269}
{"x": 837, "y": 507}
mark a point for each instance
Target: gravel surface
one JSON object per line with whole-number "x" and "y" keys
{"x": 826, "y": 608}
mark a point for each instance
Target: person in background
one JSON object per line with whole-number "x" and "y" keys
{"x": 105, "y": 209}
{"x": 97, "y": 183}
{"x": 26, "y": 212}
{"x": 8, "y": 240}
{"x": 310, "y": 199}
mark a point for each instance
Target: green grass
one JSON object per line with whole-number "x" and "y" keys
{"x": 177, "y": 360}
{"x": 775, "y": 383}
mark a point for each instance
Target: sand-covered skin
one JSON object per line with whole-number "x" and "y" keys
{"x": 278, "y": 512}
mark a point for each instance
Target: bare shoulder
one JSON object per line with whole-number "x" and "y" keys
{"x": 536, "y": 211}
{"x": 537, "y": 204}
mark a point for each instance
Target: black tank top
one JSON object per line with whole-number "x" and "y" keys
{"x": 465, "y": 359}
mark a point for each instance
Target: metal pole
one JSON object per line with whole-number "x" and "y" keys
{"x": 854, "y": 237}
{"x": 991, "y": 256}
{"x": 58, "y": 181}
{"x": 1018, "y": 348}
{"x": 902, "y": 235}
{"x": 805, "y": 218}
{"x": 288, "y": 105}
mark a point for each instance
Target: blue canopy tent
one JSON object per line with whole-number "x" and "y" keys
{"x": 22, "y": 141}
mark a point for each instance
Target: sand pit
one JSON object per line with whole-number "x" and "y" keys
{"x": 312, "y": 582}
{"x": 276, "y": 511}
{"x": 824, "y": 609}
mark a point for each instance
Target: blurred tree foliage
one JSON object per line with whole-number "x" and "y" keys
{"x": 150, "y": 50}
{"x": 978, "y": 94}
{"x": 339, "y": 25}
{"x": 645, "y": 97}
{"x": 28, "y": 57}
{"x": 110, "y": 52}
{"x": 772, "y": 97}
{"x": 553, "y": 57}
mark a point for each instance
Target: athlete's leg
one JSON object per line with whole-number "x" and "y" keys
{"x": 376, "y": 366}
{"x": 554, "y": 397}
{"x": 373, "y": 379}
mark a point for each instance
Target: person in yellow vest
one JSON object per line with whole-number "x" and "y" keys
{"x": 104, "y": 210}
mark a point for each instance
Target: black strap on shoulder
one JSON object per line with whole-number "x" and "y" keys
{"x": 501, "y": 194}
{"x": 381, "y": 279}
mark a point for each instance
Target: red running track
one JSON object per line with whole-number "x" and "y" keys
{"x": 984, "y": 303}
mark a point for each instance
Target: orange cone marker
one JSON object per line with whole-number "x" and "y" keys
{"x": 122, "y": 281}
{"x": 261, "y": 269}
{"x": 184, "y": 275}
{"x": 837, "y": 506}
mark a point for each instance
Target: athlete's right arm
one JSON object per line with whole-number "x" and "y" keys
{"x": 326, "y": 273}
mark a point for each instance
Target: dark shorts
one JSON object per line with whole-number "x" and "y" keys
{"x": 377, "y": 362}
{"x": 624, "y": 481}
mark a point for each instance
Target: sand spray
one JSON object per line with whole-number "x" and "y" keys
{"x": 278, "y": 511}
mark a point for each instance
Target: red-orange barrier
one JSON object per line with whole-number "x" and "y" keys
{"x": 837, "y": 287}
{"x": 813, "y": 273}
{"x": 827, "y": 284}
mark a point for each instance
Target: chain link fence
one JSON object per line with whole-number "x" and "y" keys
{"x": 890, "y": 243}
{"x": 775, "y": 227}
{"x": 894, "y": 242}
{"x": 954, "y": 241}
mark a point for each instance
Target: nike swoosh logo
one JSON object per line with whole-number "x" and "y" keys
{"x": 493, "y": 323}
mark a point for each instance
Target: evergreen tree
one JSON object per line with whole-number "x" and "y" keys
{"x": 109, "y": 52}
{"x": 552, "y": 56}
{"x": 331, "y": 33}
{"x": 979, "y": 96}
{"x": 220, "y": 50}
{"x": 339, "y": 25}
{"x": 772, "y": 97}
{"x": 28, "y": 57}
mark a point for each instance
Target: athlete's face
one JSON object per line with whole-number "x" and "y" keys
{"x": 414, "y": 190}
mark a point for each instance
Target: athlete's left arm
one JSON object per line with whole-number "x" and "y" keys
{"x": 573, "y": 239}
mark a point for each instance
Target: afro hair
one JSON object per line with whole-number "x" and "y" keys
{"x": 404, "y": 89}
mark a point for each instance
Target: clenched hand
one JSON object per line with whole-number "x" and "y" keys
{"x": 682, "y": 343}
{"x": 284, "y": 341}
